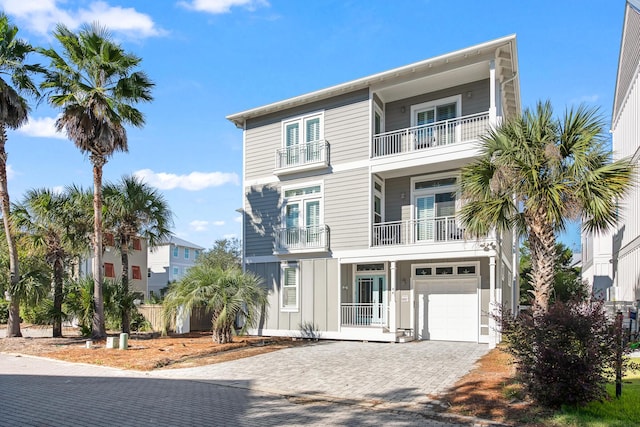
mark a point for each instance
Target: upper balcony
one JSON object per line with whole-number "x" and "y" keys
{"x": 302, "y": 157}
{"x": 424, "y": 137}
{"x": 450, "y": 143}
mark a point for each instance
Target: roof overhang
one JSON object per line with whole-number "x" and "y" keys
{"x": 504, "y": 51}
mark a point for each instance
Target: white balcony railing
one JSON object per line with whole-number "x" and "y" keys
{"x": 417, "y": 231}
{"x": 364, "y": 314}
{"x": 460, "y": 129}
{"x": 302, "y": 238}
{"x": 299, "y": 155}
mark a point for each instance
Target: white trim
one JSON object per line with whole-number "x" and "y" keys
{"x": 302, "y": 119}
{"x": 262, "y": 259}
{"x": 284, "y": 266}
{"x": 302, "y": 199}
{"x": 345, "y": 333}
{"x": 436, "y": 103}
{"x": 455, "y": 266}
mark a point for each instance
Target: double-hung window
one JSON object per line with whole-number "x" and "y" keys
{"x": 290, "y": 287}
{"x": 302, "y": 213}
{"x": 303, "y": 140}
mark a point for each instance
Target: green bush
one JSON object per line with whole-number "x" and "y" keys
{"x": 4, "y": 310}
{"x": 565, "y": 356}
{"x": 40, "y": 314}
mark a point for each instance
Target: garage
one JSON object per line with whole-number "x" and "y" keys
{"x": 447, "y": 309}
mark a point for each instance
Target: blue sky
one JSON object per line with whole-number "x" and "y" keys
{"x": 211, "y": 58}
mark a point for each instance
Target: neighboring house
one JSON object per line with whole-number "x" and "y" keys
{"x": 625, "y": 127}
{"x": 597, "y": 266}
{"x": 112, "y": 263}
{"x": 169, "y": 261}
{"x": 354, "y": 227}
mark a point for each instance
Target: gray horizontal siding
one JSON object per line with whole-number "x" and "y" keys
{"x": 393, "y": 201}
{"x": 396, "y": 119}
{"x": 345, "y": 118}
{"x": 262, "y": 216}
{"x": 346, "y": 209}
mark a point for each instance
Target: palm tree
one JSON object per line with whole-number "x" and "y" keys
{"x": 225, "y": 293}
{"x": 134, "y": 209}
{"x": 536, "y": 173}
{"x": 13, "y": 114}
{"x": 51, "y": 221}
{"x": 94, "y": 83}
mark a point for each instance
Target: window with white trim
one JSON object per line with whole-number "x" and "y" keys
{"x": 175, "y": 251}
{"x": 434, "y": 119}
{"x": 290, "y": 287}
{"x": 302, "y": 138}
{"x": 302, "y": 215}
{"x": 186, "y": 253}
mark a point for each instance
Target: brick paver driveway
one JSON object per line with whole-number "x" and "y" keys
{"x": 398, "y": 374}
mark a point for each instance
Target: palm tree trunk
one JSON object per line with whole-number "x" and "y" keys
{"x": 98, "y": 326}
{"x": 542, "y": 243}
{"x": 58, "y": 271}
{"x": 13, "y": 324}
{"x": 124, "y": 256}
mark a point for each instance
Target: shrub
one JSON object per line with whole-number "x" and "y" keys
{"x": 4, "y": 310}
{"x": 565, "y": 355}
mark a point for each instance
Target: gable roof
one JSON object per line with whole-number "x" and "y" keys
{"x": 508, "y": 43}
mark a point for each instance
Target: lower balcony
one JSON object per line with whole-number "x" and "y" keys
{"x": 363, "y": 314}
{"x": 417, "y": 231}
{"x": 313, "y": 238}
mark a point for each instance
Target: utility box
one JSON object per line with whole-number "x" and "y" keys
{"x": 112, "y": 342}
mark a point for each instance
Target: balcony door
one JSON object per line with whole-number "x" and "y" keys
{"x": 434, "y": 215}
{"x": 302, "y": 220}
{"x": 430, "y": 118}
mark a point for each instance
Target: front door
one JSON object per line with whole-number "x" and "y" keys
{"x": 371, "y": 299}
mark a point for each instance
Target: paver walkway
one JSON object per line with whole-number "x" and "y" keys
{"x": 399, "y": 374}
{"x": 43, "y": 393}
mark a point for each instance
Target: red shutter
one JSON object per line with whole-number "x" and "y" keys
{"x": 137, "y": 245}
{"x": 108, "y": 270}
{"x": 135, "y": 272}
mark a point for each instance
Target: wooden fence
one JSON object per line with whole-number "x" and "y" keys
{"x": 200, "y": 319}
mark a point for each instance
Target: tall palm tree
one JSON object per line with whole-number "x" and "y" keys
{"x": 535, "y": 173}
{"x": 94, "y": 82}
{"x": 13, "y": 114}
{"x": 134, "y": 209}
{"x": 50, "y": 219}
{"x": 225, "y": 293}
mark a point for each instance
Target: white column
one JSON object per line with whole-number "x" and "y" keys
{"x": 492, "y": 303}
{"x": 392, "y": 299}
{"x": 492, "y": 92}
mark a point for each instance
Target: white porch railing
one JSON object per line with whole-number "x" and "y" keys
{"x": 445, "y": 132}
{"x": 311, "y": 153}
{"x": 302, "y": 238}
{"x": 364, "y": 314}
{"x": 417, "y": 231}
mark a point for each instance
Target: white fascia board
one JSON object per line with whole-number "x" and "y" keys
{"x": 239, "y": 118}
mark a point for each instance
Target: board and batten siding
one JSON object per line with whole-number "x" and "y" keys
{"x": 318, "y": 299}
{"x": 396, "y": 119}
{"x": 346, "y": 121}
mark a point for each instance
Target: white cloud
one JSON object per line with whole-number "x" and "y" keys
{"x": 588, "y": 99}
{"x": 198, "y": 225}
{"x": 222, "y": 6}
{"x": 10, "y": 173}
{"x": 194, "y": 181}
{"x": 42, "y": 16}
{"x": 43, "y": 127}
{"x": 218, "y": 223}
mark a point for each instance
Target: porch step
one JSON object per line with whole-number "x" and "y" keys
{"x": 405, "y": 338}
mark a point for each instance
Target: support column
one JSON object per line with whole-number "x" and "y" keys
{"x": 392, "y": 299}
{"x": 492, "y": 93}
{"x": 493, "y": 333}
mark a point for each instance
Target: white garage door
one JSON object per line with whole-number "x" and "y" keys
{"x": 447, "y": 309}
